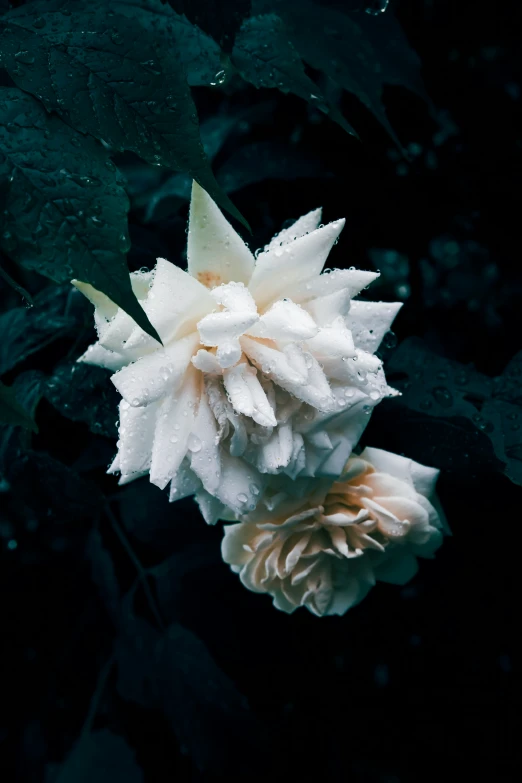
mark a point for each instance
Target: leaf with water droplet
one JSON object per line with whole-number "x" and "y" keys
{"x": 43, "y": 227}
{"x": 265, "y": 57}
{"x": 12, "y": 412}
{"x": 100, "y": 81}
{"x": 358, "y": 52}
{"x": 81, "y": 392}
{"x": 25, "y": 331}
{"x": 467, "y": 410}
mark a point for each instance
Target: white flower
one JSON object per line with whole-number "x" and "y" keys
{"x": 267, "y": 365}
{"x": 326, "y": 551}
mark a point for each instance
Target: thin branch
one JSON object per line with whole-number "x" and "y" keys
{"x": 142, "y": 573}
{"x": 96, "y": 697}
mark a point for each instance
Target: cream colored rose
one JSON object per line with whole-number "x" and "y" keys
{"x": 267, "y": 365}
{"x": 325, "y": 552}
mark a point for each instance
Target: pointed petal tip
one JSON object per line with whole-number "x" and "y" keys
{"x": 200, "y": 195}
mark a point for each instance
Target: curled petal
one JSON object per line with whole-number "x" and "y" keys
{"x": 174, "y": 304}
{"x": 228, "y": 353}
{"x": 235, "y": 297}
{"x": 333, "y": 341}
{"x": 206, "y": 361}
{"x": 272, "y": 362}
{"x": 388, "y": 522}
{"x": 285, "y": 320}
{"x": 217, "y": 328}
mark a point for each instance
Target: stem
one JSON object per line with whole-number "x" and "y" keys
{"x": 96, "y": 697}
{"x": 142, "y": 573}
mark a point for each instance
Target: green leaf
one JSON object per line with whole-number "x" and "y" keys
{"x": 475, "y": 409}
{"x": 332, "y": 42}
{"x": 66, "y": 209}
{"x": 112, "y": 79}
{"x": 265, "y": 57}
{"x": 11, "y": 412}
{"x": 103, "y": 757}
{"x": 27, "y": 330}
{"x": 200, "y": 56}
{"x": 84, "y": 393}
{"x": 166, "y": 198}
{"x": 174, "y": 671}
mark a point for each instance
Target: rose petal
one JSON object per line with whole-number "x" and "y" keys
{"x": 217, "y": 328}
{"x": 369, "y": 322}
{"x": 284, "y": 320}
{"x": 136, "y": 436}
{"x": 351, "y": 280}
{"x": 325, "y": 309}
{"x": 183, "y": 483}
{"x": 205, "y": 457}
{"x": 101, "y": 357}
{"x": 302, "y": 226}
{"x": 277, "y": 269}
{"x": 333, "y": 341}
{"x": 154, "y": 375}
{"x": 175, "y": 420}
{"x": 216, "y": 253}
{"x": 175, "y": 303}
{"x": 206, "y": 362}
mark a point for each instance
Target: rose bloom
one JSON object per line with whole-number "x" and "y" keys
{"x": 267, "y": 365}
{"x": 326, "y": 551}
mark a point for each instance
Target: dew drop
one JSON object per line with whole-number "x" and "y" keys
{"x": 194, "y": 443}
{"x": 443, "y": 396}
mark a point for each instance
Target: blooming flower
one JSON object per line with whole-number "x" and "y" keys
{"x": 266, "y": 367}
{"x": 327, "y": 550}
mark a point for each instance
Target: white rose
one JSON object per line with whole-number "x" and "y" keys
{"x": 267, "y": 365}
{"x": 326, "y": 551}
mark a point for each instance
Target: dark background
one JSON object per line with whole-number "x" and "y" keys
{"x": 415, "y": 684}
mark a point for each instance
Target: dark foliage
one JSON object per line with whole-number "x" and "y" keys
{"x": 130, "y": 652}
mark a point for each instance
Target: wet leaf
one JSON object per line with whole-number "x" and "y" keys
{"x": 199, "y": 54}
{"x": 117, "y": 82}
{"x": 265, "y": 57}
{"x": 175, "y": 191}
{"x": 334, "y": 43}
{"x": 84, "y": 393}
{"x": 25, "y": 331}
{"x": 173, "y": 671}
{"x": 66, "y": 206}
{"x": 485, "y": 410}
{"x": 12, "y": 412}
